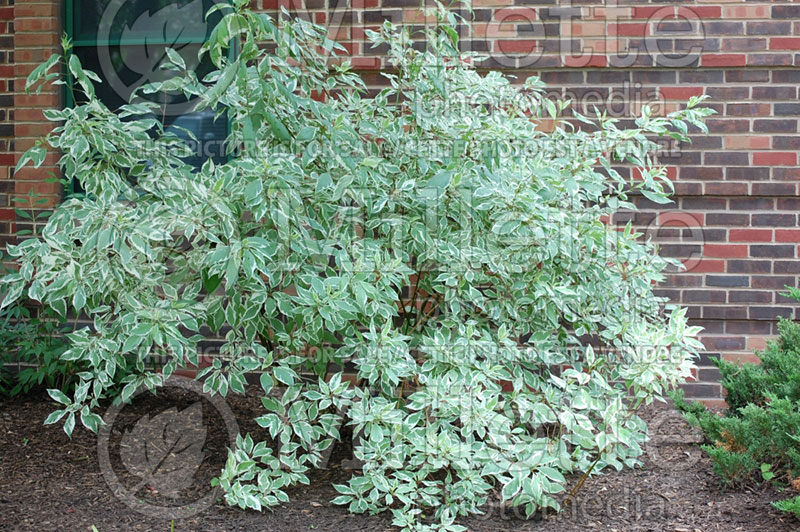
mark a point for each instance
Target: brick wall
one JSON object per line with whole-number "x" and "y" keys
{"x": 6, "y": 116}
{"x": 37, "y": 34}
{"x": 735, "y": 217}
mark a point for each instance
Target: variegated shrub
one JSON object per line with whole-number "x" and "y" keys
{"x": 435, "y": 236}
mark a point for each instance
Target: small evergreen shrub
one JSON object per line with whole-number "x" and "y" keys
{"x": 758, "y": 438}
{"x": 433, "y": 235}
{"x": 790, "y": 506}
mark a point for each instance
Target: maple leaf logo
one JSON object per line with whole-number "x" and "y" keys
{"x": 146, "y": 33}
{"x": 169, "y": 27}
{"x": 167, "y": 450}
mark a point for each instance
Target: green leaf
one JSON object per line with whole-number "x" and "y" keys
{"x": 211, "y": 282}
{"x": 441, "y": 180}
{"x": 284, "y": 375}
{"x": 253, "y": 192}
{"x": 175, "y": 57}
{"x": 306, "y": 134}
{"x": 381, "y": 230}
{"x": 91, "y": 421}
{"x": 512, "y": 488}
{"x": 59, "y": 397}
{"x": 277, "y": 127}
{"x": 656, "y": 197}
{"x": 225, "y": 80}
{"x": 55, "y": 416}
{"x": 69, "y": 424}
{"x": 266, "y": 382}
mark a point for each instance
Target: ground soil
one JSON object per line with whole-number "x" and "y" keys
{"x": 51, "y": 483}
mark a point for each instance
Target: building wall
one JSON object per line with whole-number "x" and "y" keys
{"x": 735, "y": 217}
{"x": 6, "y": 115}
{"x": 37, "y": 25}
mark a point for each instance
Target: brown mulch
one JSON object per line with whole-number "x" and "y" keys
{"x": 55, "y": 484}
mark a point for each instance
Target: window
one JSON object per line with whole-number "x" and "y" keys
{"x": 124, "y": 42}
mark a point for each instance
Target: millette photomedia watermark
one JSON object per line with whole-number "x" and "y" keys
{"x": 162, "y": 452}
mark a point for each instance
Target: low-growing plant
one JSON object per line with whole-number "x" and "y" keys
{"x": 758, "y": 438}
{"x": 790, "y": 506}
{"x": 31, "y": 345}
{"x": 434, "y": 235}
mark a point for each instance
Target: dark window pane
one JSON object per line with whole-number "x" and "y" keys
{"x": 146, "y": 28}
{"x": 164, "y": 21}
{"x": 123, "y": 69}
{"x": 210, "y": 135}
{"x": 115, "y": 90}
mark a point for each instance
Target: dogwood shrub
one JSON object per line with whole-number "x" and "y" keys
{"x": 434, "y": 235}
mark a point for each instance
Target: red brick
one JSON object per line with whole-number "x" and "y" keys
{"x": 739, "y": 142}
{"x": 29, "y": 173}
{"x": 339, "y": 33}
{"x": 647, "y": 12}
{"x": 36, "y": 40}
{"x": 725, "y": 189}
{"x": 680, "y": 93}
{"x": 39, "y": 24}
{"x": 724, "y": 251}
{"x": 771, "y": 59}
{"x": 756, "y": 343}
{"x": 775, "y": 158}
{"x": 706, "y": 266}
{"x": 633, "y": 29}
{"x": 774, "y": 189}
{"x": 33, "y": 130}
{"x": 782, "y": 173}
{"x": 582, "y": 61}
{"x": 515, "y": 47}
{"x": 762, "y": 11}
{"x": 784, "y": 43}
{"x": 365, "y": 63}
{"x": 681, "y": 219}
{"x": 38, "y": 187}
{"x": 702, "y": 12}
{"x": 582, "y": 28}
{"x": 750, "y": 235}
{"x": 351, "y": 48}
{"x": 787, "y": 235}
{"x": 508, "y": 14}
{"x": 741, "y": 358}
{"x": 30, "y": 9}
{"x": 723, "y": 60}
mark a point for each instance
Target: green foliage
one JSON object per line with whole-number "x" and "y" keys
{"x": 766, "y": 472}
{"x": 746, "y": 439}
{"x": 735, "y": 468}
{"x": 757, "y": 439}
{"x": 30, "y": 340}
{"x": 790, "y": 506}
{"x": 32, "y": 336}
{"x": 777, "y": 374}
{"x": 420, "y": 234}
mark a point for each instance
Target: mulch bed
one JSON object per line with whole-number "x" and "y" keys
{"x": 55, "y": 484}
